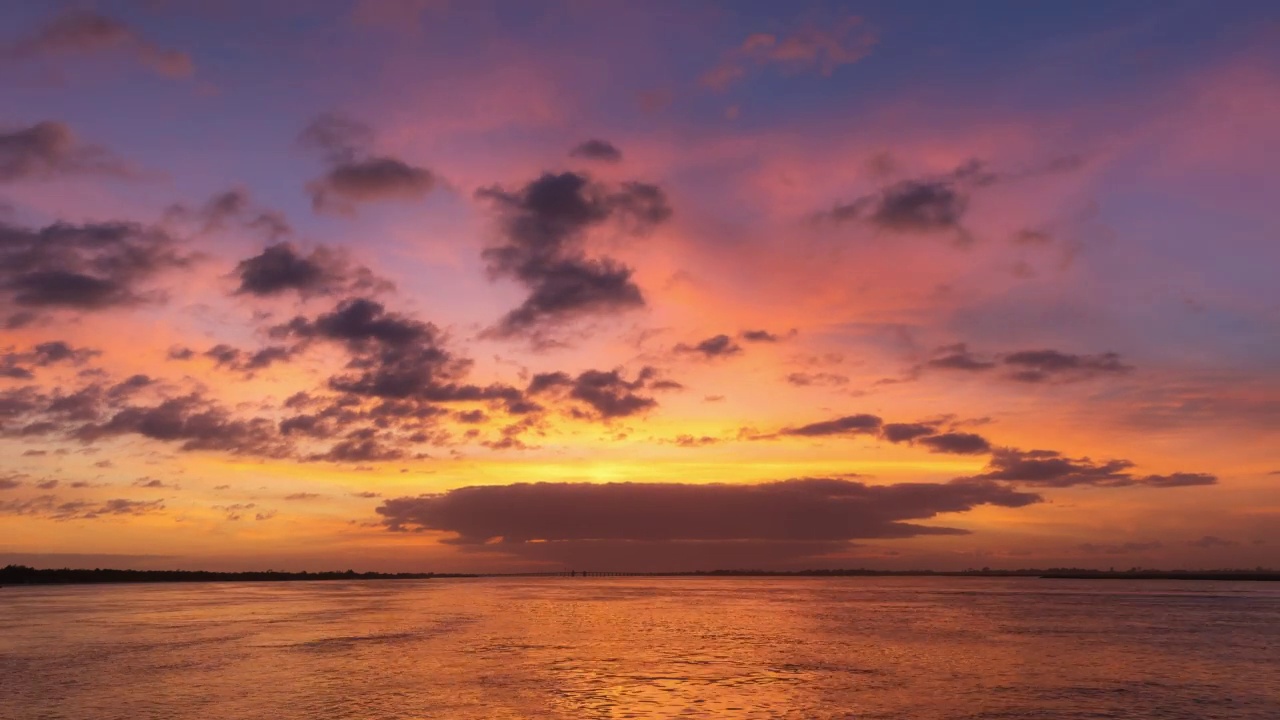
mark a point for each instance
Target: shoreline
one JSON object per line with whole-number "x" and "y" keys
{"x": 15, "y": 575}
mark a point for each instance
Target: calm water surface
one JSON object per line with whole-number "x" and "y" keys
{"x": 907, "y": 649}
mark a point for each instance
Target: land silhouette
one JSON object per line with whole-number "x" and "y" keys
{"x": 24, "y": 575}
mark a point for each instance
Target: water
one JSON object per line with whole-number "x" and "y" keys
{"x": 901, "y": 648}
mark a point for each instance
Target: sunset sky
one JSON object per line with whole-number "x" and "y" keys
{"x": 427, "y": 285}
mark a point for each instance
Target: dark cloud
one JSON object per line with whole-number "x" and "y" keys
{"x": 820, "y": 379}
{"x": 390, "y": 393}
{"x": 597, "y": 150}
{"x": 56, "y": 351}
{"x": 543, "y": 382}
{"x": 129, "y": 386}
{"x": 671, "y": 518}
{"x": 83, "y": 404}
{"x": 362, "y": 324}
{"x": 1180, "y": 479}
{"x": 36, "y": 429}
{"x": 302, "y": 496}
{"x": 348, "y": 416}
{"x": 1052, "y": 365}
{"x": 28, "y": 412}
{"x": 281, "y": 268}
{"x": 232, "y": 207}
{"x": 17, "y": 364}
{"x": 52, "y": 508}
{"x": 861, "y": 424}
{"x": 762, "y": 336}
{"x": 928, "y": 205}
{"x": 608, "y": 394}
{"x": 691, "y": 441}
{"x": 392, "y": 355}
{"x": 907, "y": 432}
{"x": 924, "y": 433}
{"x": 958, "y": 357}
{"x": 356, "y": 176}
{"x": 19, "y": 320}
{"x": 910, "y": 206}
{"x": 371, "y": 179}
{"x": 1040, "y": 468}
{"x": 508, "y": 441}
{"x": 359, "y": 450}
{"x": 49, "y": 149}
{"x": 194, "y": 422}
{"x": 712, "y": 347}
{"x": 958, "y": 443}
{"x": 1029, "y": 366}
{"x": 83, "y": 32}
{"x": 226, "y": 356}
{"x": 150, "y": 482}
{"x": 84, "y": 267}
{"x": 9, "y": 482}
{"x": 181, "y": 353}
{"x": 916, "y": 206}
{"x": 235, "y": 511}
{"x": 1049, "y": 468}
{"x": 570, "y": 288}
{"x": 543, "y": 228}
{"x": 17, "y": 402}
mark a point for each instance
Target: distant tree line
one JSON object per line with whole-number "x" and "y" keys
{"x": 23, "y": 575}
{"x": 1080, "y": 573}
{"x": 1054, "y": 573}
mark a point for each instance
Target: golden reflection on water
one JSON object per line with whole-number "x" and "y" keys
{"x": 642, "y": 648}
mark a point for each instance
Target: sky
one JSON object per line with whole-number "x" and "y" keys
{"x": 421, "y": 285}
